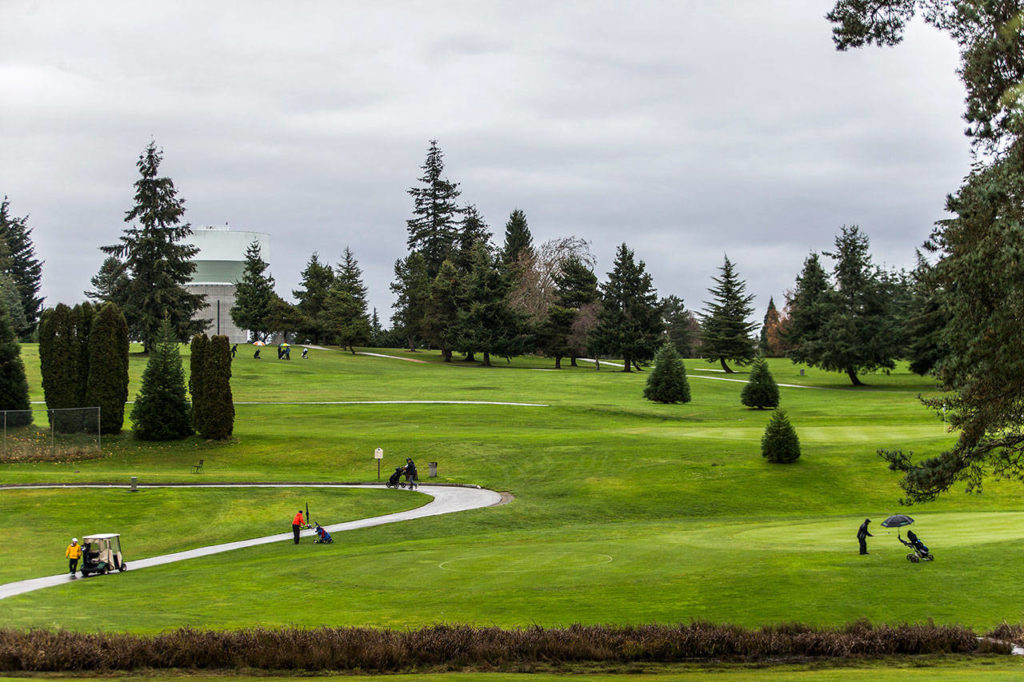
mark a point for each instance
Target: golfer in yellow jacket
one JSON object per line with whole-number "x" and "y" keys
{"x": 73, "y": 553}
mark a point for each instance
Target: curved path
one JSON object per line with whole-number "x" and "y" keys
{"x": 446, "y": 500}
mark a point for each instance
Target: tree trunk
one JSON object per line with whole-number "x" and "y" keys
{"x": 469, "y": 358}
{"x": 558, "y": 362}
{"x": 353, "y": 349}
{"x": 852, "y": 373}
{"x": 446, "y": 354}
{"x": 572, "y": 361}
{"x": 636, "y": 366}
{"x": 627, "y": 364}
{"x": 597, "y": 364}
{"x": 728, "y": 370}
{"x": 487, "y": 359}
{"x": 412, "y": 346}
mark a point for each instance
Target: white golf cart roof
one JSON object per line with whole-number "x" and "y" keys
{"x": 102, "y": 536}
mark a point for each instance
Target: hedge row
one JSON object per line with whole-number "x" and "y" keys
{"x": 454, "y": 647}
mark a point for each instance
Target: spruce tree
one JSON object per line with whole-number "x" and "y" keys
{"x": 760, "y": 391}
{"x": 780, "y": 444}
{"x": 198, "y": 348}
{"x": 679, "y": 325}
{"x": 432, "y": 228}
{"x": 23, "y": 267}
{"x": 412, "y": 289}
{"x": 518, "y": 239}
{"x": 59, "y": 357}
{"x": 161, "y": 410}
{"x": 110, "y": 284}
{"x": 254, "y": 295}
{"x": 576, "y": 290}
{"x": 157, "y": 258}
{"x": 107, "y": 383}
{"x": 441, "y": 312}
{"x": 667, "y": 382}
{"x": 317, "y": 279}
{"x": 13, "y": 385}
{"x": 727, "y": 333}
{"x": 805, "y": 330}
{"x": 472, "y": 231}
{"x": 219, "y": 421}
{"x": 487, "y": 322}
{"x": 629, "y": 323}
{"x": 11, "y": 299}
{"x": 346, "y": 304}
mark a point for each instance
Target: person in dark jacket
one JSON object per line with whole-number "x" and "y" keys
{"x": 410, "y": 473}
{"x": 863, "y": 535}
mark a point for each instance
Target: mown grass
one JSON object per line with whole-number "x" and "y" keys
{"x": 695, "y": 524}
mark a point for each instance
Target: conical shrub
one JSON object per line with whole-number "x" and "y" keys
{"x": 761, "y": 390}
{"x": 107, "y": 383}
{"x": 667, "y": 382}
{"x": 779, "y": 443}
{"x": 13, "y": 385}
{"x": 219, "y": 420}
{"x": 162, "y": 411}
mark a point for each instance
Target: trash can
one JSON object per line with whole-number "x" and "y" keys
{"x": 433, "y": 469}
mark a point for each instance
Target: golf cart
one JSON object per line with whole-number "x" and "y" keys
{"x": 101, "y": 553}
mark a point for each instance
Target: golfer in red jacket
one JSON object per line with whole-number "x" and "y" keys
{"x": 297, "y": 523}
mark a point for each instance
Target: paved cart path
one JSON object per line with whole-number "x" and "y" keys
{"x": 446, "y": 500}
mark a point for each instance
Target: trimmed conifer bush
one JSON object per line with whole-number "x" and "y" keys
{"x": 219, "y": 420}
{"x": 197, "y": 372}
{"x": 161, "y": 409}
{"x": 667, "y": 382}
{"x": 13, "y": 385}
{"x": 107, "y": 383}
{"x": 59, "y": 357}
{"x": 761, "y": 390}
{"x": 779, "y": 443}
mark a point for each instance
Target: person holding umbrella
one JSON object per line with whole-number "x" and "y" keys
{"x": 863, "y": 535}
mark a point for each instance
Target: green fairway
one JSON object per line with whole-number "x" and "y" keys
{"x": 625, "y": 511}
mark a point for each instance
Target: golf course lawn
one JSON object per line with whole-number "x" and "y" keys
{"x": 625, "y": 511}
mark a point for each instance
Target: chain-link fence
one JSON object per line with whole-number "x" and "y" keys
{"x": 50, "y": 435}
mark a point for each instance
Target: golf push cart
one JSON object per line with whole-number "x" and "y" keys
{"x": 918, "y": 550}
{"x": 101, "y": 553}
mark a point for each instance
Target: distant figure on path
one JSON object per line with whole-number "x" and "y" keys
{"x": 305, "y": 354}
{"x": 234, "y": 349}
{"x": 863, "y": 535}
{"x": 279, "y": 351}
{"x": 73, "y": 553}
{"x": 256, "y": 355}
{"x": 410, "y": 473}
{"x": 297, "y": 525}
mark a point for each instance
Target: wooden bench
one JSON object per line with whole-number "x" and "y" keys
{"x": 198, "y": 468}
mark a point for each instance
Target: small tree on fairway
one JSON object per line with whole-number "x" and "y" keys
{"x": 13, "y": 386}
{"x": 667, "y": 382}
{"x": 761, "y": 390}
{"x": 196, "y": 376}
{"x": 161, "y": 409}
{"x": 219, "y": 421}
{"x": 780, "y": 443}
{"x": 107, "y": 383}
{"x": 727, "y": 333}
{"x": 254, "y": 295}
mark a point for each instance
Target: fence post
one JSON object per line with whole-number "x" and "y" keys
{"x": 5, "y": 432}
{"x": 53, "y": 436}
{"x": 99, "y": 431}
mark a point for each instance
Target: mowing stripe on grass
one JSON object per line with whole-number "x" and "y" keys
{"x": 446, "y": 500}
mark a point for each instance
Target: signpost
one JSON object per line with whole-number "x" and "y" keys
{"x": 378, "y": 455}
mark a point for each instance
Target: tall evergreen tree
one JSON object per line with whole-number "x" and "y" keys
{"x": 198, "y": 350}
{"x": 317, "y": 279}
{"x": 679, "y": 325}
{"x": 433, "y": 227}
{"x": 254, "y": 295}
{"x": 13, "y": 385}
{"x": 804, "y": 333}
{"x": 161, "y": 410}
{"x": 346, "y": 304}
{"x": 727, "y": 333}
{"x": 441, "y": 314}
{"x": 23, "y": 267}
{"x": 412, "y": 288}
{"x": 667, "y": 382}
{"x": 219, "y": 421}
{"x": 59, "y": 357}
{"x": 487, "y": 322}
{"x": 576, "y": 290}
{"x": 760, "y": 391}
{"x": 10, "y": 297}
{"x": 110, "y": 284}
{"x": 472, "y": 231}
{"x": 157, "y": 258}
{"x": 518, "y": 239}
{"x": 82, "y": 316}
{"x": 629, "y": 323}
{"x": 107, "y": 384}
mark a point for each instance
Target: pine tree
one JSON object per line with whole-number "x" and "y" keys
{"x": 23, "y": 267}
{"x": 107, "y": 383}
{"x": 59, "y": 357}
{"x": 926, "y": 322}
{"x": 412, "y": 288}
{"x": 254, "y": 295}
{"x": 317, "y": 279}
{"x": 472, "y": 231}
{"x": 157, "y": 259}
{"x": 679, "y": 325}
{"x": 10, "y": 297}
{"x": 667, "y": 382}
{"x": 432, "y": 228}
{"x": 630, "y": 324}
{"x": 219, "y": 421}
{"x": 760, "y": 391}
{"x": 727, "y": 333}
{"x": 441, "y": 313}
{"x": 161, "y": 410}
{"x": 487, "y": 323}
{"x": 518, "y": 239}
{"x": 576, "y": 290}
{"x": 13, "y": 385}
{"x": 198, "y": 349}
{"x": 110, "y": 284}
{"x": 806, "y": 326}
{"x": 780, "y": 444}
{"x": 346, "y": 304}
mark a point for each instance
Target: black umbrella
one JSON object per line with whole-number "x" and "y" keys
{"x": 897, "y": 521}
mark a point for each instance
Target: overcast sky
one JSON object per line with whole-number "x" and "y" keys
{"x": 688, "y": 129}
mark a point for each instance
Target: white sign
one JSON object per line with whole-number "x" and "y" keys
{"x": 378, "y": 453}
